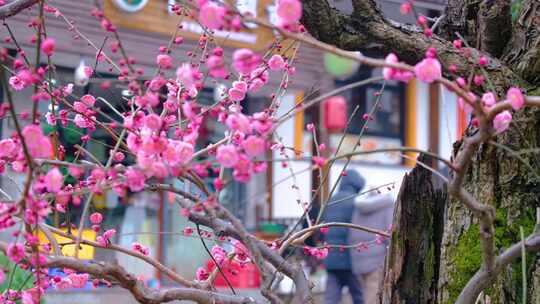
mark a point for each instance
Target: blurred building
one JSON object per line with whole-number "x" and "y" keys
{"x": 414, "y": 115}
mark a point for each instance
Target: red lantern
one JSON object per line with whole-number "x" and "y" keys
{"x": 335, "y": 113}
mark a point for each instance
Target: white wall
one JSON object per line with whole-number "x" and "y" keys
{"x": 284, "y": 197}
{"x": 448, "y": 118}
{"x": 422, "y": 115}
{"x": 375, "y": 175}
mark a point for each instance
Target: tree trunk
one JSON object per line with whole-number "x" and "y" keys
{"x": 510, "y": 182}
{"x": 506, "y": 176}
{"x": 414, "y": 254}
{"x": 505, "y": 173}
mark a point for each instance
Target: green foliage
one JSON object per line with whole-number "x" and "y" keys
{"x": 516, "y": 6}
{"x": 20, "y": 281}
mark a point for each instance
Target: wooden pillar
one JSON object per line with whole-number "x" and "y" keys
{"x": 410, "y": 122}
{"x": 434, "y": 123}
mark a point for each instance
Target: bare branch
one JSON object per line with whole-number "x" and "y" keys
{"x": 171, "y": 274}
{"x": 14, "y": 7}
{"x": 298, "y": 236}
{"x": 137, "y": 288}
{"x": 368, "y": 30}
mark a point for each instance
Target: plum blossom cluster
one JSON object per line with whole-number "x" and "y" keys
{"x": 161, "y": 129}
{"x": 72, "y": 280}
{"x": 7, "y": 213}
{"x": 217, "y": 16}
{"x": 429, "y": 70}
{"x": 12, "y": 150}
{"x": 318, "y": 253}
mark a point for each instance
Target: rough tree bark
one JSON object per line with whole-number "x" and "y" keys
{"x": 499, "y": 176}
{"x": 413, "y": 259}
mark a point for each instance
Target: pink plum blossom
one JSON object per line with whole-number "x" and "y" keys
{"x": 88, "y": 100}
{"x": 109, "y": 234}
{"x": 158, "y": 169}
{"x": 81, "y": 121}
{"x": 48, "y": 46}
{"x": 185, "y": 152}
{"x": 164, "y": 61}
{"x": 258, "y": 78}
{"x": 135, "y": 179}
{"x": 31, "y": 296}
{"x": 236, "y": 95}
{"x": 245, "y": 61}
{"x": 187, "y": 76}
{"x": 201, "y": 274}
{"x": 51, "y": 120}
{"x": 318, "y": 161}
{"x": 219, "y": 254}
{"x": 254, "y": 146}
{"x": 63, "y": 283}
{"x": 489, "y": 100}
{"x": 140, "y": 248}
{"x": 238, "y": 122}
{"x": 40, "y": 146}
{"x": 15, "y": 252}
{"x": 319, "y": 253}
{"x": 515, "y": 98}
{"x": 212, "y": 15}
{"x": 16, "y": 83}
{"x": 96, "y": 218}
{"x": 8, "y": 148}
{"x": 276, "y": 62}
{"x": 216, "y": 66}
{"x": 241, "y": 252}
{"x": 238, "y": 91}
{"x": 405, "y": 8}
{"x": 54, "y": 180}
{"x": 27, "y": 77}
{"x": 390, "y": 73}
{"x": 289, "y": 11}
{"x": 178, "y": 152}
{"x": 501, "y": 122}
{"x": 153, "y": 122}
{"x": 428, "y": 70}
{"x": 78, "y": 280}
{"x": 227, "y": 156}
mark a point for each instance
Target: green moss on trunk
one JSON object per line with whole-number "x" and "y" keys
{"x": 467, "y": 256}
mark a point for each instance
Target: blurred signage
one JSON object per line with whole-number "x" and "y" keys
{"x": 369, "y": 143}
{"x": 156, "y": 16}
{"x": 86, "y": 252}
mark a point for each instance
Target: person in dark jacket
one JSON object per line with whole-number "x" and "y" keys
{"x": 338, "y": 262}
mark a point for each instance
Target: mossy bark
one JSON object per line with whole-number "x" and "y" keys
{"x": 506, "y": 176}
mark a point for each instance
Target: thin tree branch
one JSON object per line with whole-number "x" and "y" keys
{"x": 137, "y": 287}
{"x": 14, "y": 7}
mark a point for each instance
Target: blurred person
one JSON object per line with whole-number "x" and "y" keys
{"x": 338, "y": 262}
{"x": 374, "y": 210}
